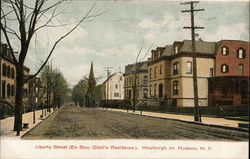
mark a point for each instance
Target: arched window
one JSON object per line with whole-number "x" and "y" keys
{"x": 189, "y": 67}
{"x": 224, "y": 68}
{"x": 8, "y": 90}
{"x": 12, "y": 73}
{"x": 241, "y": 53}
{"x": 4, "y": 70}
{"x": 175, "y": 87}
{"x": 8, "y": 71}
{"x": 224, "y": 50}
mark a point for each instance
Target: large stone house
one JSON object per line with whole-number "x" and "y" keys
{"x": 170, "y": 74}
{"x": 8, "y": 81}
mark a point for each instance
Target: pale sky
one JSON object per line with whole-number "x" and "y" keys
{"x": 114, "y": 39}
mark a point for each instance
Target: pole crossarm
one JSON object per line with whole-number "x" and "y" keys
{"x": 193, "y": 27}
{"x": 190, "y": 2}
{"x": 195, "y": 10}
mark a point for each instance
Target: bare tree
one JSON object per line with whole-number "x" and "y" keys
{"x": 136, "y": 69}
{"x": 26, "y": 15}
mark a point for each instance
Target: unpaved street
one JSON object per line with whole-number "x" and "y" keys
{"x": 82, "y": 123}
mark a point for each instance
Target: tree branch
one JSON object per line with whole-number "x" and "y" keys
{"x": 56, "y": 43}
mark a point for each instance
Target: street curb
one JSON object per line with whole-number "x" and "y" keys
{"x": 38, "y": 123}
{"x": 190, "y": 122}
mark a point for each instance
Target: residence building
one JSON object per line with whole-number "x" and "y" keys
{"x": 8, "y": 82}
{"x": 113, "y": 90}
{"x": 229, "y": 83}
{"x": 136, "y": 82}
{"x": 171, "y": 73}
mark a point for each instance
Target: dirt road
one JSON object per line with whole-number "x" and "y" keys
{"x": 82, "y": 123}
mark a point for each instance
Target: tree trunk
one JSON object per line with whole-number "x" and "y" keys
{"x": 19, "y": 100}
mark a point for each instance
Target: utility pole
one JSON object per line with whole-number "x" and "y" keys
{"x": 197, "y": 115}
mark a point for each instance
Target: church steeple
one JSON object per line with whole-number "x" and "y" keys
{"x": 91, "y": 75}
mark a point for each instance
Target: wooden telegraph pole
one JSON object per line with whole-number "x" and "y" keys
{"x": 197, "y": 116}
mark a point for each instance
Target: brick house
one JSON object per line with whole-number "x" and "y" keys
{"x": 230, "y": 82}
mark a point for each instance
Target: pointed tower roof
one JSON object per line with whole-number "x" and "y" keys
{"x": 91, "y": 74}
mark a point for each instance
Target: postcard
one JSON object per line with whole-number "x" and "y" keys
{"x": 124, "y": 79}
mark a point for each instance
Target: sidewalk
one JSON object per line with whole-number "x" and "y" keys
{"x": 7, "y": 124}
{"x": 189, "y": 118}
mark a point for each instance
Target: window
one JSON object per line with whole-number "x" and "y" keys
{"x": 8, "y": 71}
{"x": 211, "y": 72}
{"x": 116, "y": 86}
{"x": 129, "y": 94}
{"x": 224, "y": 50}
{"x": 145, "y": 79}
{"x": 150, "y": 90}
{"x": 116, "y": 94}
{"x": 176, "y": 49}
{"x": 12, "y": 73}
{"x": 189, "y": 67}
{"x": 241, "y": 53}
{"x": 137, "y": 80}
{"x": 175, "y": 87}
{"x": 3, "y": 90}
{"x": 155, "y": 72}
{"x": 240, "y": 69}
{"x": 4, "y": 70}
{"x": 8, "y": 90}
{"x": 160, "y": 90}
{"x": 224, "y": 68}
{"x": 12, "y": 90}
{"x": 145, "y": 93}
{"x": 150, "y": 73}
{"x": 160, "y": 69}
{"x": 155, "y": 89}
{"x": 176, "y": 68}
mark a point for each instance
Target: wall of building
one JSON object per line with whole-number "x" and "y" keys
{"x": 113, "y": 87}
{"x": 8, "y": 80}
{"x": 231, "y": 58}
{"x": 185, "y": 93}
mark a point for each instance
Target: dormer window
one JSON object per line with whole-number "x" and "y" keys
{"x": 224, "y": 50}
{"x": 176, "y": 50}
{"x": 241, "y": 53}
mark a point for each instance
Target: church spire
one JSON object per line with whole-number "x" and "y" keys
{"x": 91, "y": 75}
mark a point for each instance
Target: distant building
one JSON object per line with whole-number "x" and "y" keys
{"x": 136, "y": 82}
{"x": 113, "y": 89}
{"x": 37, "y": 93}
{"x": 229, "y": 82}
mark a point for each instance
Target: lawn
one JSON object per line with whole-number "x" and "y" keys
{"x": 82, "y": 123}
